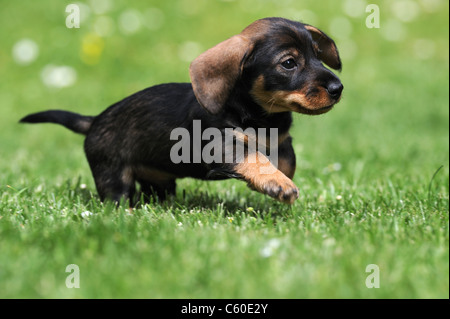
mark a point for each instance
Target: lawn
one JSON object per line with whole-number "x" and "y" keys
{"x": 373, "y": 173}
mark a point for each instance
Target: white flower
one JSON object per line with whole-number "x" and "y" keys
{"x": 58, "y": 76}
{"x": 25, "y": 51}
{"x": 130, "y": 21}
{"x": 270, "y": 247}
{"x": 334, "y": 167}
{"x": 86, "y": 214}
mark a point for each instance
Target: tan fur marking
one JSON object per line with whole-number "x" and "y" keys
{"x": 285, "y": 167}
{"x": 214, "y": 72}
{"x": 127, "y": 176}
{"x": 283, "y": 137}
{"x": 328, "y": 51}
{"x": 276, "y": 184}
{"x": 283, "y": 101}
{"x": 270, "y": 101}
{"x": 244, "y": 138}
{"x": 256, "y": 30}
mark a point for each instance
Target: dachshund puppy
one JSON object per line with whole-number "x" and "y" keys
{"x": 252, "y": 81}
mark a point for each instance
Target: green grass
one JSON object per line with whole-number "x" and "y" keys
{"x": 384, "y": 203}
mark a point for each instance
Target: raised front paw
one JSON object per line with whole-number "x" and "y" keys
{"x": 282, "y": 189}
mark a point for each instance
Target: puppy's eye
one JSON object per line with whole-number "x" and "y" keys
{"x": 289, "y": 64}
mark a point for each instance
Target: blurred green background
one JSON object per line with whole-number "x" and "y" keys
{"x": 378, "y": 148}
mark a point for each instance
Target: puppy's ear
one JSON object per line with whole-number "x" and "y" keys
{"x": 328, "y": 51}
{"x": 214, "y": 73}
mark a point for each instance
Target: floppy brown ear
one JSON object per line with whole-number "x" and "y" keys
{"x": 328, "y": 51}
{"x": 214, "y": 73}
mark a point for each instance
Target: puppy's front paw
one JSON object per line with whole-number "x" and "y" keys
{"x": 282, "y": 189}
{"x": 272, "y": 182}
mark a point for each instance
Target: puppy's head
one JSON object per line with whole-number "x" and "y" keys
{"x": 282, "y": 61}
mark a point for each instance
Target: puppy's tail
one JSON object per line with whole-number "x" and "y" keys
{"x": 73, "y": 121}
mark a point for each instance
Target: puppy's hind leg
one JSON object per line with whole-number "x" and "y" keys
{"x": 114, "y": 184}
{"x": 155, "y": 182}
{"x": 158, "y": 189}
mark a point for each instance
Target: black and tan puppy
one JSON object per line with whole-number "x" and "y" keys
{"x": 252, "y": 80}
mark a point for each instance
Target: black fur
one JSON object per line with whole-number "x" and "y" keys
{"x": 73, "y": 121}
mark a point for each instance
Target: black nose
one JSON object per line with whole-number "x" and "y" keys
{"x": 335, "y": 89}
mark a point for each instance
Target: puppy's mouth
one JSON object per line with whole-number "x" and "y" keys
{"x": 315, "y": 103}
{"x": 301, "y": 109}
{"x": 315, "y": 106}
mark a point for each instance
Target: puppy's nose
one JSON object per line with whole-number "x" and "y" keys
{"x": 335, "y": 89}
